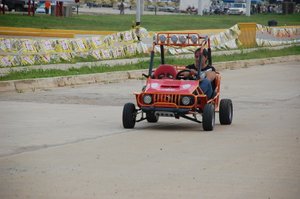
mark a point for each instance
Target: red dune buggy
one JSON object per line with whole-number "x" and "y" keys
{"x": 169, "y": 93}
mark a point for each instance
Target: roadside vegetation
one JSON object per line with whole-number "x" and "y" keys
{"x": 262, "y": 53}
{"x": 150, "y": 22}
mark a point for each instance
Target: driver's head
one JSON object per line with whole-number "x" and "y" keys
{"x": 198, "y": 54}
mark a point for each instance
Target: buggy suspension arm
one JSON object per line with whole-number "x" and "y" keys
{"x": 190, "y": 118}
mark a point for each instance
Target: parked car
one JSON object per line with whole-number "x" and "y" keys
{"x": 19, "y": 5}
{"x": 41, "y": 8}
{"x": 237, "y": 9}
{"x": 150, "y": 8}
{"x": 167, "y": 9}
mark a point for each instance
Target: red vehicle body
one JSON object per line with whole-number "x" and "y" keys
{"x": 169, "y": 93}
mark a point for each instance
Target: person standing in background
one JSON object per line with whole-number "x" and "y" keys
{"x": 122, "y": 7}
{"x": 47, "y": 6}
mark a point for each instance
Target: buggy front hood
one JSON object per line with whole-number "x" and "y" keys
{"x": 171, "y": 86}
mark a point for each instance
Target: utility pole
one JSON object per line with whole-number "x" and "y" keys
{"x": 138, "y": 13}
{"x": 142, "y": 6}
{"x": 138, "y": 19}
{"x": 200, "y": 7}
{"x": 248, "y": 8}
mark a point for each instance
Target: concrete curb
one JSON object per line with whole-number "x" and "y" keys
{"x": 53, "y": 82}
{"x": 46, "y": 83}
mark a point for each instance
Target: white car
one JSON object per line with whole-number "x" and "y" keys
{"x": 237, "y": 9}
{"x": 41, "y": 9}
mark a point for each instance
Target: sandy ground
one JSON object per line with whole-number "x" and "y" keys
{"x": 70, "y": 143}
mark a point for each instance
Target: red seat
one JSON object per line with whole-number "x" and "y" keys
{"x": 165, "y": 72}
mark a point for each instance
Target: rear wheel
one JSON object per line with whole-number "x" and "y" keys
{"x": 129, "y": 116}
{"x": 226, "y": 111}
{"x": 151, "y": 117}
{"x": 208, "y": 117}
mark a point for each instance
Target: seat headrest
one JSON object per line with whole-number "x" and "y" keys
{"x": 165, "y": 72}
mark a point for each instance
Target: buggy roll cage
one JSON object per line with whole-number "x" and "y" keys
{"x": 179, "y": 40}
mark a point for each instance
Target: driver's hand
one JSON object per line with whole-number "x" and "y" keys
{"x": 186, "y": 74}
{"x": 193, "y": 72}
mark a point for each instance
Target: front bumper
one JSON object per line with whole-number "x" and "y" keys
{"x": 176, "y": 111}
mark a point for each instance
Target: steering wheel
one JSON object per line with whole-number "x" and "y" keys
{"x": 165, "y": 76}
{"x": 180, "y": 74}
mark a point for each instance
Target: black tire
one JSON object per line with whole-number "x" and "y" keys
{"x": 129, "y": 116}
{"x": 226, "y": 112}
{"x": 208, "y": 117}
{"x": 151, "y": 117}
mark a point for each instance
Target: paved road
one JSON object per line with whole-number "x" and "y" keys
{"x": 69, "y": 143}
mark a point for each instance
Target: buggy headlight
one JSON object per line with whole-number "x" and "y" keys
{"x": 162, "y": 38}
{"x": 147, "y": 99}
{"x": 194, "y": 39}
{"x": 174, "y": 39}
{"x": 182, "y": 39}
{"x": 186, "y": 100}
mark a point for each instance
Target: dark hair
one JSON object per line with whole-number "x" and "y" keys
{"x": 204, "y": 52}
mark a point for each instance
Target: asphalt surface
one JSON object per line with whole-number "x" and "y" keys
{"x": 70, "y": 143}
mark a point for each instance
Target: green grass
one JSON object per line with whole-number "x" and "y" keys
{"x": 263, "y": 53}
{"x": 150, "y": 22}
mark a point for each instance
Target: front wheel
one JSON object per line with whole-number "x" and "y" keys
{"x": 151, "y": 117}
{"x": 226, "y": 112}
{"x": 129, "y": 116}
{"x": 208, "y": 117}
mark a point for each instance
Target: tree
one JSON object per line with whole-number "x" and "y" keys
{"x": 112, "y": 2}
{"x": 132, "y": 3}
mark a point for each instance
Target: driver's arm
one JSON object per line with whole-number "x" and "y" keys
{"x": 210, "y": 75}
{"x": 192, "y": 73}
